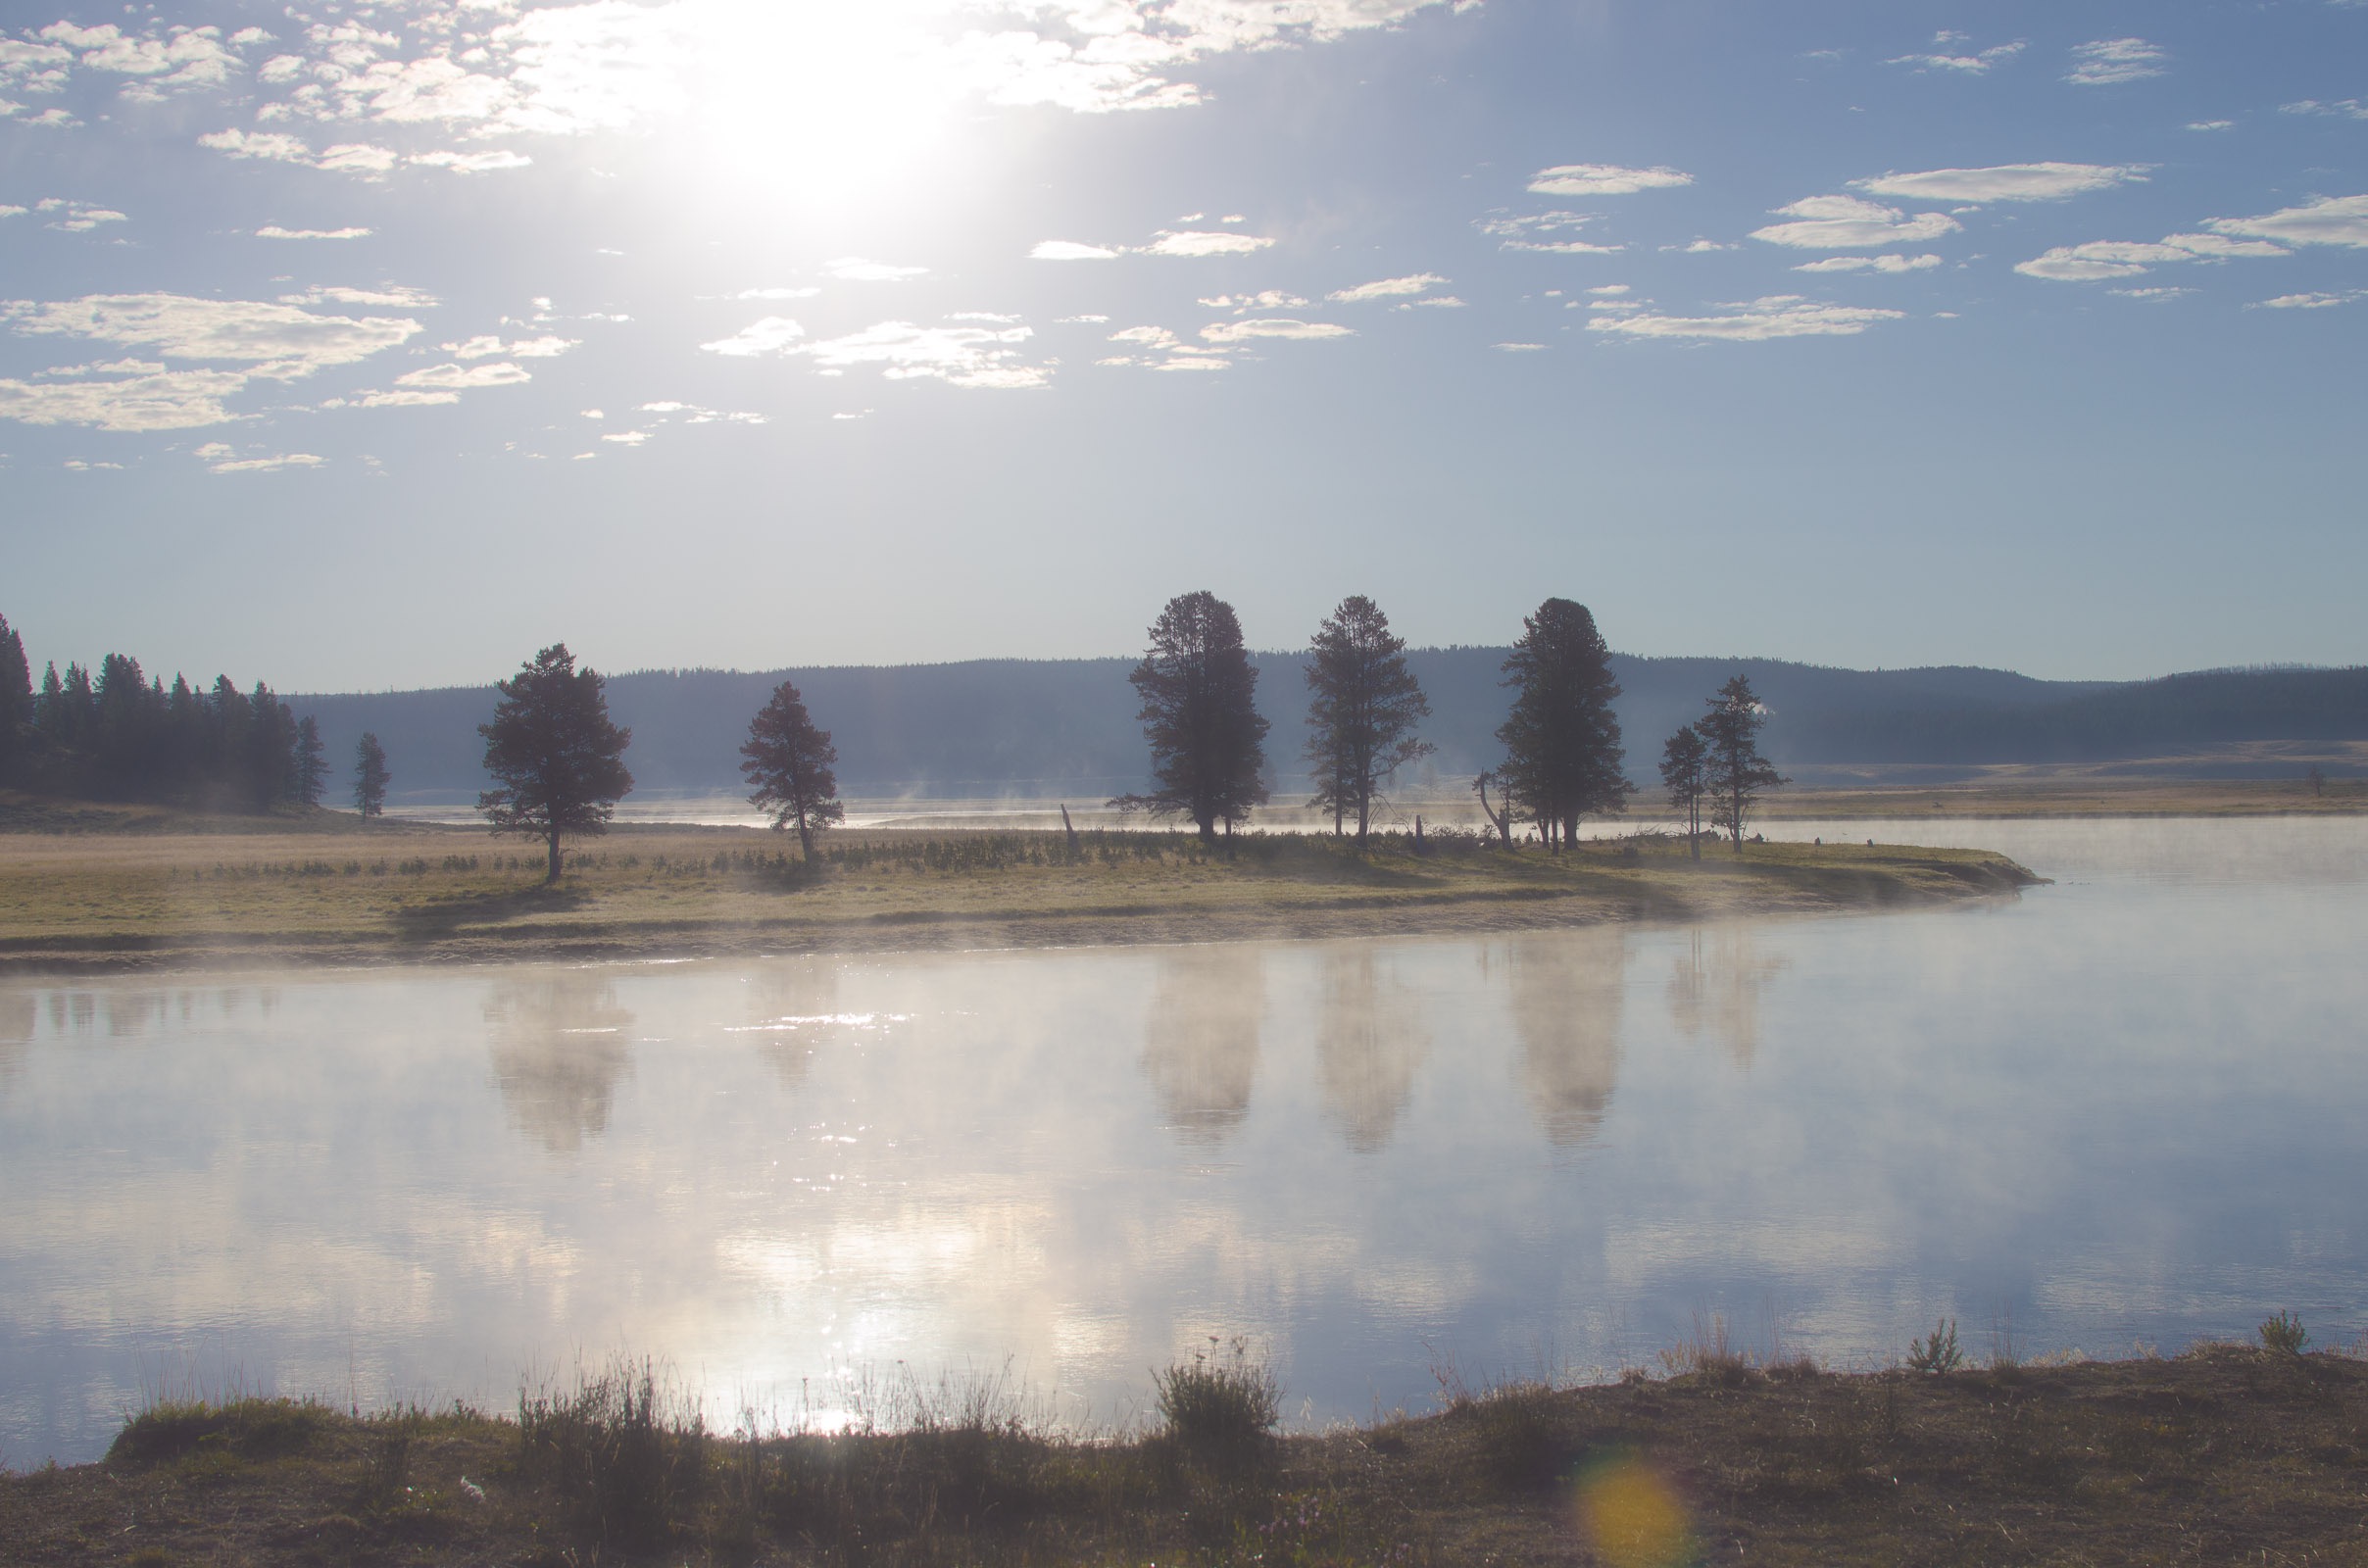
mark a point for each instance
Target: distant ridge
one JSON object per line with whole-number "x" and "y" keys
{"x": 1068, "y": 728}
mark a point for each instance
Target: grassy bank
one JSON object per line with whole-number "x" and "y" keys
{"x": 2226, "y": 1454}
{"x": 161, "y": 898}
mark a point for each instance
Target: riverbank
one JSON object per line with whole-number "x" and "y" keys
{"x": 166, "y": 900}
{"x": 2222, "y": 1454}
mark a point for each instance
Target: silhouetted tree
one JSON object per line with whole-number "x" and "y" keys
{"x": 1362, "y": 714}
{"x": 1730, "y": 732}
{"x": 557, "y": 761}
{"x": 371, "y": 776}
{"x": 16, "y": 704}
{"x": 1199, "y": 715}
{"x": 2312, "y": 775}
{"x": 789, "y": 760}
{"x": 1686, "y": 770}
{"x": 1499, "y": 815}
{"x": 312, "y": 762}
{"x": 1562, "y": 740}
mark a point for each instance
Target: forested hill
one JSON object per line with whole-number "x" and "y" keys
{"x": 1068, "y": 728}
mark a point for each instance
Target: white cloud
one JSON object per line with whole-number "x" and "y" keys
{"x": 1871, "y": 263}
{"x": 1611, "y": 289}
{"x": 281, "y": 341}
{"x": 1069, "y": 249}
{"x": 2100, "y": 260}
{"x": 1973, "y": 65}
{"x": 1271, "y": 299}
{"x": 2153, "y": 294}
{"x": 667, "y": 408}
{"x": 1150, "y": 337}
{"x": 776, "y": 293}
{"x": 1387, "y": 288}
{"x": 1846, "y": 223}
{"x": 2339, "y": 109}
{"x": 1203, "y": 242}
{"x": 1535, "y": 232}
{"x": 1272, "y": 327}
{"x": 975, "y": 357}
{"x": 856, "y": 269}
{"x": 2209, "y": 125}
{"x": 627, "y": 438}
{"x": 2311, "y": 301}
{"x": 463, "y": 377}
{"x": 1604, "y": 179}
{"x": 2107, "y": 61}
{"x": 2003, "y": 182}
{"x": 1517, "y": 348}
{"x": 275, "y": 231}
{"x": 184, "y": 57}
{"x": 271, "y": 145}
{"x": 1435, "y": 302}
{"x": 392, "y": 294}
{"x": 410, "y": 397}
{"x": 286, "y": 459}
{"x": 1760, "y": 320}
{"x": 1704, "y": 247}
{"x": 468, "y": 163}
{"x": 2326, "y": 220}
{"x": 355, "y": 158}
{"x": 130, "y": 397}
{"x": 77, "y": 217}
{"x": 1079, "y": 320}
{"x": 486, "y": 345}
{"x": 772, "y": 336}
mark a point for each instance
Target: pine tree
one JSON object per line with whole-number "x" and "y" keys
{"x": 312, "y": 762}
{"x": 15, "y": 705}
{"x": 371, "y": 776}
{"x": 789, "y": 762}
{"x": 557, "y": 761}
{"x": 1730, "y": 731}
{"x": 1562, "y": 739}
{"x": 1362, "y": 714}
{"x": 1686, "y": 770}
{"x": 1200, "y": 716}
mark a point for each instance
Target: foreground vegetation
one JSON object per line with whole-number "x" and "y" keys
{"x": 388, "y": 894}
{"x": 2226, "y": 1454}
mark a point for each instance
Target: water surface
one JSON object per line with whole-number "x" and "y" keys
{"x": 2125, "y": 1108}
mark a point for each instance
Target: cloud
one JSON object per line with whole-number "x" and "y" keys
{"x": 392, "y": 294}
{"x": 627, "y": 438}
{"x": 1079, "y": 320}
{"x": 77, "y": 217}
{"x": 1704, "y": 247}
{"x": 281, "y": 341}
{"x": 1150, "y": 337}
{"x": 1846, "y": 223}
{"x": 275, "y": 231}
{"x": 2311, "y": 301}
{"x": 2107, "y": 61}
{"x": 2209, "y": 125}
{"x": 773, "y": 334}
{"x": 1531, "y": 233}
{"x": 2326, "y": 220}
{"x": 270, "y": 145}
{"x": 1069, "y": 249}
{"x": 274, "y": 464}
{"x": 776, "y": 294}
{"x": 1974, "y": 65}
{"x": 1760, "y": 320}
{"x": 974, "y": 357}
{"x": 667, "y": 408}
{"x": 1517, "y": 348}
{"x": 1604, "y": 179}
{"x": 463, "y": 377}
{"x": 1871, "y": 263}
{"x": 488, "y": 345}
{"x": 127, "y": 396}
{"x": 2100, "y": 260}
{"x": 1387, "y": 288}
{"x": 2003, "y": 182}
{"x": 183, "y": 57}
{"x": 1192, "y": 242}
{"x": 410, "y": 399}
{"x": 1224, "y": 332}
{"x": 1271, "y": 299}
{"x": 1437, "y": 302}
{"x": 2341, "y": 109}
{"x": 469, "y": 163}
{"x": 856, "y": 269}
{"x": 353, "y": 157}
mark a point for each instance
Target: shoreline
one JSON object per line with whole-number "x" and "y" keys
{"x": 166, "y": 905}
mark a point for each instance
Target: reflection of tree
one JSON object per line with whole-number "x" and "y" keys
{"x": 17, "y": 1014}
{"x": 794, "y": 1005}
{"x": 1717, "y": 987}
{"x": 1567, "y": 996}
{"x": 1200, "y": 1042}
{"x": 1368, "y": 1046}
{"x": 559, "y": 1049}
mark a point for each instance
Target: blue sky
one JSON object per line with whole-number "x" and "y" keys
{"x": 375, "y": 344}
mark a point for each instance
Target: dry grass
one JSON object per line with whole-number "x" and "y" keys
{"x": 168, "y": 897}
{"x": 2225, "y": 1454}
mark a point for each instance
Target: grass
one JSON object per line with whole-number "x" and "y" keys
{"x": 2225, "y": 1453}
{"x": 172, "y": 898}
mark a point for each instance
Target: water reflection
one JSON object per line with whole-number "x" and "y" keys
{"x": 1566, "y": 991}
{"x": 18, "y": 1013}
{"x": 1715, "y": 986}
{"x": 559, "y": 1049}
{"x": 1369, "y": 1043}
{"x": 793, "y": 1009}
{"x": 1200, "y": 1038}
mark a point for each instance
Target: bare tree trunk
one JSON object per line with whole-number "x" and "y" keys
{"x": 1069, "y": 828}
{"x": 551, "y": 880}
{"x": 804, "y": 835}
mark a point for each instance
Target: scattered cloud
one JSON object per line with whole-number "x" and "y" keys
{"x": 392, "y": 294}
{"x": 129, "y": 396}
{"x": 466, "y": 162}
{"x": 1387, "y": 288}
{"x": 1228, "y": 332}
{"x": 2341, "y": 109}
{"x": 487, "y": 345}
{"x": 2326, "y": 220}
{"x": 1069, "y": 249}
{"x": 275, "y": 231}
{"x": 1760, "y": 320}
{"x": 2100, "y": 261}
{"x": 2003, "y": 182}
{"x": 772, "y": 336}
{"x": 1871, "y": 263}
{"x": 463, "y": 377}
{"x": 1848, "y": 223}
{"x": 974, "y": 357}
{"x": 777, "y": 293}
{"x": 279, "y": 341}
{"x": 1271, "y": 299}
{"x": 1196, "y": 242}
{"x": 627, "y": 438}
{"x": 856, "y": 269}
{"x": 2311, "y": 301}
{"x": 1517, "y": 348}
{"x": 1604, "y": 179}
{"x": 1079, "y": 320}
{"x": 2209, "y": 125}
{"x": 1704, "y": 247}
{"x": 666, "y": 409}
{"x": 271, "y": 465}
{"x": 1538, "y": 232}
{"x": 2108, "y": 60}
{"x": 75, "y": 218}
{"x": 1435, "y": 302}
{"x": 1971, "y": 64}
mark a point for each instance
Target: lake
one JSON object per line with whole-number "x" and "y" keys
{"x": 2123, "y": 1110}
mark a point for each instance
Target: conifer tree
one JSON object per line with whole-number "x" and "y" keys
{"x": 1738, "y": 773}
{"x": 1686, "y": 770}
{"x": 789, "y": 762}
{"x": 556, "y": 763}
{"x": 312, "y": 762}
{"x": 1562, "y": 739}
{"x": 1361, "y": 711}
{"x": 16, "y": 704}
{"x": 371, "y": 776}
{"x": 1199, "y": 715}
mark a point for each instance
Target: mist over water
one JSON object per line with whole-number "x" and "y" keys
{"x": 2125, "y": 1107}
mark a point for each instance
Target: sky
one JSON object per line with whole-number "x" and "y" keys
{"x": 353, "y": 346}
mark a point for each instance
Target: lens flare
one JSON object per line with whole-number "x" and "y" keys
{"x": 1632, "y": 1516}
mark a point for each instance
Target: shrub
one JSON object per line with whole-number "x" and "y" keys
{"x": 623, "y": 1467}
{"x": 1220, "y": 1404}
{"x": 2284, "y": 1335}
{"x": 1938, "y": 1353}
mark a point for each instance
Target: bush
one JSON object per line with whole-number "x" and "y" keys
{"x": 1938, "y": 1352}
{"x": 624, "y": 1469}
{"x": 2284, "y": 1335}
{"x": 1220, "y": 1404}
